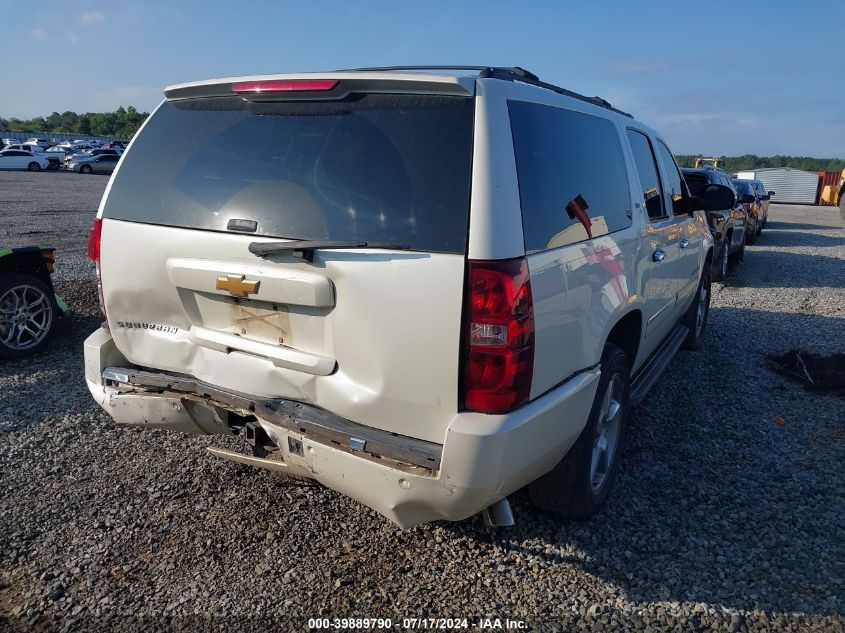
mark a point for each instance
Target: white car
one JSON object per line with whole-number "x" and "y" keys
{"x": 424, "y": 288}
{"x": 42, "y": 143}
{"x": 22, "y": 159}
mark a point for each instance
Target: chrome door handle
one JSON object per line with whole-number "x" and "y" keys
{"x": 683, "y": 243}
{"x": 658, "y": 255}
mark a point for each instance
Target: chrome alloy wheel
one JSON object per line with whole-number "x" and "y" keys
{"x": 26, "y": 316}
{"x": 608, "y": 426}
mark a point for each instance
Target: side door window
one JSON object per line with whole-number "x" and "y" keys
{"x": 649, "y": 178}
{"x": 573, "y": 182}
{"x": 674, "y": 194}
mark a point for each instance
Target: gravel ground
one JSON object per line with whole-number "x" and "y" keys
{"x": 721, "y": 519}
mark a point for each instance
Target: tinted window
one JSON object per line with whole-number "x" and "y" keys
{"x": 573, "y": 183}
{"x": 385, "y": 168}
{"x": 647, "y": 170}
{"x": 109, "y": 159}
{"x": 695, "y": 183}
{"x": 674, "y": 191}
{"x": 743, "y": 188}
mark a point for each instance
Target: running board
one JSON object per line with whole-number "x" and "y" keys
{"x": 654, "y": 367}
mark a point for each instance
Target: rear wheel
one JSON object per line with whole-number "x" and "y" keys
{"x": 86, "y": 169}
{"x": 27, "y": 315}
{"x": 721, "y": 270}
{"x": 698, "y": 313}
{"x": 33, "y": 166}
{"x": 751, "y": 235}
{"x": 739, "y": 256}
{"x": 579, "y": 485}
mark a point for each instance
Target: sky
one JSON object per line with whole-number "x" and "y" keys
{"x": 724, "y": 78}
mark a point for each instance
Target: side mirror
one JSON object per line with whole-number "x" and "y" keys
{"x": 771, "y": 193}
{"x": 766, "y": 197}
{"x": 747, "y": 199}
{"x": 713, "y": 197}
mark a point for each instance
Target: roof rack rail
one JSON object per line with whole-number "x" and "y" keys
{"x": 512, "y": 73}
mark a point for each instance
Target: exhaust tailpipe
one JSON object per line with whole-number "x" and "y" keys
{"x": 499, "y": 514}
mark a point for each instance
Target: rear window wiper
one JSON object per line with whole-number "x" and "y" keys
{"x": 304, "y": 249}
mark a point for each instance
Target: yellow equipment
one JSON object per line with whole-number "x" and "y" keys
{"x": 714, "y": 162}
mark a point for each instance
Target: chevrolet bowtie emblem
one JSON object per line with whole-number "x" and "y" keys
{"x": 237, "y": 285}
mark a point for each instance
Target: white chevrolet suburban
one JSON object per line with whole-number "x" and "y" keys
{"x": 422, "y": 287}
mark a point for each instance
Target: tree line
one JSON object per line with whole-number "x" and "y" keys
{"x": 750, "y": 162}
{"x": 123, "y": 122}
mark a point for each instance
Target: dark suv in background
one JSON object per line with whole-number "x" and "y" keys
{"x": 727, "y": 226}
{"x": 763, "y": 196}
{"x": 754, "y": 209}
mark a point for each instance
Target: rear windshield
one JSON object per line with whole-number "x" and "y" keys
{"x": 385, "y": 168}
{"x": 743, "y": 187}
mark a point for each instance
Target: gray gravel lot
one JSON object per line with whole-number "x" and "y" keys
{"x": 721, "y": 518}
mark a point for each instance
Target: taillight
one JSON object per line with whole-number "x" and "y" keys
{"x": 94, "y": 240}
{"x": 498, "y": 362}
{"x": 94, "y": 236}
{"x": 291, "y": 85}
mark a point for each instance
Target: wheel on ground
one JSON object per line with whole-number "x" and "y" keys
{"x": 698, "y": 313}
{"x": 33, "y": 166}
{"x": 760, "y": 226}
{"x": 86, "y": 169}
{"x": 721, "y": 270}
{"x": 27, "y": 315}
{"x": 751, "y": 236}
{"x": 579, "y": 485}
{"x": 739, "y": 256}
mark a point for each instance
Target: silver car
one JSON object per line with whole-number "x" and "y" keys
{"x": 103, "y": 164}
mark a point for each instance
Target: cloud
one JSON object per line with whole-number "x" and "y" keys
{"x": 71, "y": 36}
{"x": 92, "y": 17}
{"x": 38, "y": 34}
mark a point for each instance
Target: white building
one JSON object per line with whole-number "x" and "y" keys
{"x": 790, "y": 185}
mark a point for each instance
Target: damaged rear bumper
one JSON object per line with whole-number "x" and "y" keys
{"x": 483, "y": 458}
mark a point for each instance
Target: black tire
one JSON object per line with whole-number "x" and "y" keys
{"x": 760, "y": 227}
{"x": 568, "y": 490}
{"x": 739, "y": 256}
{"x": 695, "y": 339}
{"x": 33, "y": 166}
{"x": 751, "y": 236}
{"x": 721, "y": 261}
{"x": 16, "y": 342}
{"x": 86, "y": 169}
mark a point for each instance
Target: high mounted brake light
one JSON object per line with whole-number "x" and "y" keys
{"x": 498, "y": 355}
{"x": 291, "y": 85}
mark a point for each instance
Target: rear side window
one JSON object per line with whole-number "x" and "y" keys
{"x": 674, "y": 189}
{"x": 573, "y": 183}
{"x": 647, "y": 169}
{"x": 380, "y": 168}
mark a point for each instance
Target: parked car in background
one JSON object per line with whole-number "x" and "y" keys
{"x": 54, "y": 161}
{"x": 60, "y": 153}
{"x": 727, "y": 226}
{"x": 754, "y": 211}
{"x": 538, "y": 266}
{"x": 763, "y": 196}
{"x": 29, "y": 307}
{"x": 43, "y": 143}
{"x": 100, "y": 164}
{"x": 23, "y": 159}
